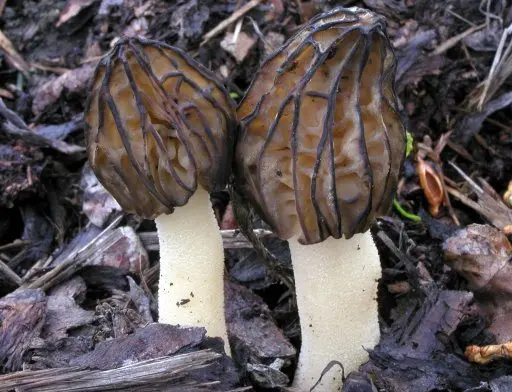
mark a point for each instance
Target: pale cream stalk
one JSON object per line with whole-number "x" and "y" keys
{"x": 336, "y": 285}
{"x": 191, "y": 285}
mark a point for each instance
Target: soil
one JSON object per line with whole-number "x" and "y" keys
{"x": 79, "y": 277}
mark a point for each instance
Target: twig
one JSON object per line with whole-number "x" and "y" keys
{"x": 269, "y": 48}
{"x": 466, "y": 200}
{"x": 487, "y": 12}
{"x": 9, "y": 274}
{"x": 405, "y": 261}
{"x": 489, "y": 205}
{"x": 40, "y": 140}
{"x": 460, "y": 17}
{"x": 12, "y": 117}
{"x": 501, "y": 69}
{"x": 12, "y": 56}
{"x": 15, "y": 261}
{"x": 56, "y": 70}
{"x": 37, "y": 269}
{"x": 15, "y": 126}
{"x": 227, "y": 22}
{"x": 451, "y": 42}
{"x": 13, "y": 245}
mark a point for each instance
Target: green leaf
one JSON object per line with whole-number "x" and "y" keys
{"x": 409, "y": 143}
{"x": 404, "y": 213}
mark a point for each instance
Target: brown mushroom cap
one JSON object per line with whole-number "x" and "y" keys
{"x": 158, "y": 125}
{"x": 321, "y": 143}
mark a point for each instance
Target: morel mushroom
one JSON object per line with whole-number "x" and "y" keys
{"x": 160, "y": 132}
{"x": 319, "y": 155}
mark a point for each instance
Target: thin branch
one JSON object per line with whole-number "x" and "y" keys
{"x": 6, "y": 271}
{"x": 232, "y": 19}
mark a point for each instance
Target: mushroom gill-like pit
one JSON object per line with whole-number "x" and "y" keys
{"x": 158, "y": 124}
{"x": 321, "y": 143}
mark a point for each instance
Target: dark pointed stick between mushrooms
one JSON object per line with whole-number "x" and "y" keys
{"x": 160, "y": 131}
{"x": 319, "y": 155}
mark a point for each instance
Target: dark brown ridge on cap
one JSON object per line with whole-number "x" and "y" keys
{"x": 158, "y": 125}
{"x": 321, "y": 143}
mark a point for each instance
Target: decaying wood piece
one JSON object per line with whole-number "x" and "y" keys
{"x": 64, "y": 314}
{"x": 414, "y": 356}
{"x": 233, "y": 239}
{"x": 255, "y": 337}
{"x": 160, "y": 374}
{"x": 153, "y": 341}
{"x": 22, "y": 314}
{"x": 72, "y": 82}
{"x": 121, "y": 248}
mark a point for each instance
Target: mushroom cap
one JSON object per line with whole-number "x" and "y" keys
{"x": 158, "y": 125}
{"x": 321, "y": 143}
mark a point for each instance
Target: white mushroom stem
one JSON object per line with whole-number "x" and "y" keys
{"x": 336, "y": 285}
{"x": 191, "y": 285}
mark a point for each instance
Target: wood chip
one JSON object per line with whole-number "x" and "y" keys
{"x": 165, "y": 373}
{"x": 75, "y": 81}
{"x": 22, "y": 314}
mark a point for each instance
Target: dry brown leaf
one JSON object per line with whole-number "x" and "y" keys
{"x": 431, "y": 185}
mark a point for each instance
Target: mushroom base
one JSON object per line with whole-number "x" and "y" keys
{"x": 336, "y": 284}
{"x": 191, "y": 285}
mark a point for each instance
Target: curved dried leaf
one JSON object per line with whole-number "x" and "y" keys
{"x": 431, "y": 185}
